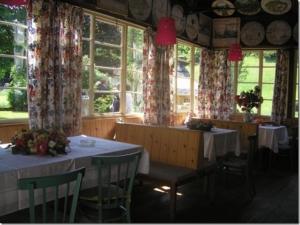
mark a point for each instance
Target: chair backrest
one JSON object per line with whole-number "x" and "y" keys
{"x": 58, "y": 185}
{"x": 252, "y": 149}
{"x": 116, "y": 175}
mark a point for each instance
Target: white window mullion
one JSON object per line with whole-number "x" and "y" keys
{"x": 92, "y": 69}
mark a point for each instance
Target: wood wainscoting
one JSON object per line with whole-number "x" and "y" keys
{"x": 244, "y": 129}
{"x": 103, "y": 127}
{"x": 169, "y": 145}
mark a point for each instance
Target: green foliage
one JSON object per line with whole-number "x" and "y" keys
{"x": 102, "y": 103}
{"x": 18, "y": 99}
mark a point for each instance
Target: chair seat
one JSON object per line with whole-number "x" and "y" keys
{"x": 170, "y": 173}
{"x": 235, "y": 163}
{"x": 108, "y": 193}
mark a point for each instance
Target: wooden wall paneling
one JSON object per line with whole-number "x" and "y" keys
{"x": 165, "y": 150}
{"x": 194, "y": 154}
{"x": 182, "y": 147}
{"x": 173, "y": 143}
{"x": 121, "y": 132}
{"x": 148, "y": 140}
{"x": 9, "y": 130}
{"x": 156, "y": 142}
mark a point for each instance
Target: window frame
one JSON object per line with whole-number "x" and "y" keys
{"x": 123, "y": 64}
{"x": 260, "y": 82}
{"x": 192, "y": 62}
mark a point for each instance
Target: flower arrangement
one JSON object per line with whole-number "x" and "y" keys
{"x": 40, "y": 142}
{"x": 197, "y": 124}
{"x": 249, "y": 99}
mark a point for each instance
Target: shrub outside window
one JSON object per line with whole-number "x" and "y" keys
{"x": 13, "y": 76}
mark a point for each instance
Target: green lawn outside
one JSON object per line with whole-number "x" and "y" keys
{"x": 6, "y": 115}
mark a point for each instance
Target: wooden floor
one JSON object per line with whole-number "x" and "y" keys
{"x": 276, "y": 201}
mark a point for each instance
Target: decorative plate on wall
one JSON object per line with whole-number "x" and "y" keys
{"x": 192, "y": 26}
{"x": 223, "y": 7}
{"x": 140, "y": 9}
{"x": 278, "y": 32}
{"x": 252, "y": 33}
{"x": 276, "y": 7}
{"x": 160, "y": 9}
{"x": 295, "y": 32}
{"x": 247, "y": 7}
{"x": 180, "y": 20}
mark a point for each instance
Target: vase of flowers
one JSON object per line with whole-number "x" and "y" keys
{"x": 247, "y": 100}
{"x": 39, "y": 141}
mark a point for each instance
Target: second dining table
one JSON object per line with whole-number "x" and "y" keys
{"x": 219, "y": 141}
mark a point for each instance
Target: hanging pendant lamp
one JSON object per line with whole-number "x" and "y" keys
{"x": 166, "y": 32}
{"x": 13, "y": 2}
{"x": 235, "y": 53}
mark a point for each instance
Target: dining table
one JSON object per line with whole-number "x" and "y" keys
{"x": 79, "y": 153}
{"x": 271, "y": 136}
{"x": 219, "y": 141}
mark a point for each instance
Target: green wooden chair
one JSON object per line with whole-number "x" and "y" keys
{"x": 112, "y": 197}
{"x": 70, "y": 180}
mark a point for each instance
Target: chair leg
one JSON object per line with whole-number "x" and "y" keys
{"x": 128, "y": 219}
{"x": 173, "y": 192}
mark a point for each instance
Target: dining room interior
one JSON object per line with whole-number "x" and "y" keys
{"x": 149, "y": 111}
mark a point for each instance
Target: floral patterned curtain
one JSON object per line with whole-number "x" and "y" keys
{"x": 158, "y": 82}
{"x": 280, "y": 98}
{"x": 215, "y": 97}
{"x": 54, "y": 65}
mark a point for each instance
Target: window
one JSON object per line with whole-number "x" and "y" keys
{"x": 112, "y": 68}
{"x": 258, "y": 68}
{"x": 296, "y": 97}
{"x": 187, "y": 77}
{"x": 13, "y": 78}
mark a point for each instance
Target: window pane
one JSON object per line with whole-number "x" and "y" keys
{"x": 250, "y": 58}
{"x": 196, "y": 77}
{"x": 267, "y": 91}
{"x": 269, "y": 75}
{"x": 6, "y": 39}
{"x": 266, "y": 108}
{"x": 108, "y": 33}
{"x": 135, "y": 38}
{"x": 248, "y": 74}
{"x": 183, "y": 94}
{"x": 269, "y": 58}
{"x": 107, "y": 79}
{"x": 106, "y": 102}
{"x": 85, "y": 76}
{"x": 245, "y": 87}
{"x": 86, "y": 52}
{"x": 134, "y": 59}
{"x": 15, "y": 14}
{"x": 107, "y": 56}
{"x": 86, "y": 26}
{"x": 184, "y": 52}
{"x": 134, "y": 76}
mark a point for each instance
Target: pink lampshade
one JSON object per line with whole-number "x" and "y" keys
{"x": 166, "y": 32}
{"x": 14, "y": 2}
{"x": 235, "y": 53}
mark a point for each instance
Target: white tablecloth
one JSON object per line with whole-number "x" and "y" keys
{"x": 218, "y": 142}
{"x": 14, "y": 167}
{"x": 270, "y": 136}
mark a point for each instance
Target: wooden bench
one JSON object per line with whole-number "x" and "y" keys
{"x": 176, "y": 156}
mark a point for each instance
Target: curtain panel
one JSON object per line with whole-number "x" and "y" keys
{"x": 158, "y": 82}
{"x": 54, "y": 65}
{"x": 280, "y": 98}
{"x": 215, "y": 95}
